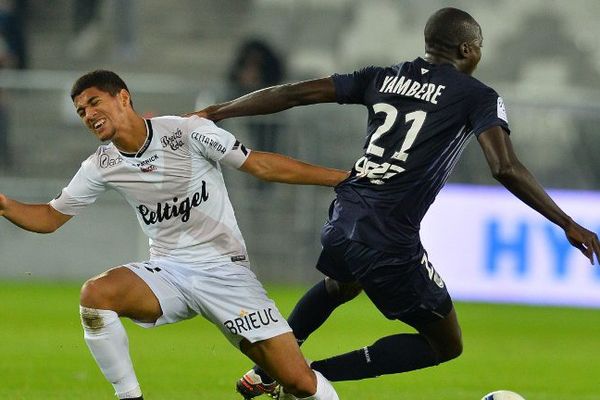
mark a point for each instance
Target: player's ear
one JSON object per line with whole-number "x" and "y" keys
{"x": 464, "y": 49}
{"x": 124, "y": 97}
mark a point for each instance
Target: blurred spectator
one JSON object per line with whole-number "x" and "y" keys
{"x": 5, "y": 154}
{"x": 257, "y": 66}
{"x": 12, "y": 28}
{"x": 13, "y": 54}
{"x": 86, "y": 28}
{"x": 89, "y": 28}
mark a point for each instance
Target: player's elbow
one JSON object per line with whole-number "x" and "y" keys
{"x": 53, "y": 222}
{"x": 270, "y": 167}
{"x": 48, "y": 228}
{"x": 54, "y": 227}
{"x": 263, "y": 171}
{"x": 268, "y": 176}
{"x": 299, "y": 94}
{"x": 503, "y": 172}
{"x": 289, "y": 94}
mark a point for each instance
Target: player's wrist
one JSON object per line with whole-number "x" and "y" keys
{"x": 567, "y": 223}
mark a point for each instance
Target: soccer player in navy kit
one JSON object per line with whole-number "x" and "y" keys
{"x": 421, "y": 115}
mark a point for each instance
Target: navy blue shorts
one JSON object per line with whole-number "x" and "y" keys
{"x": 407, "y": 289}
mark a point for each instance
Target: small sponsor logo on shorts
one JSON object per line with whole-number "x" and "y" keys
{"x": 238, "y": 258}
{"x": 431, "y": 272}
{"x": 438, "y": 280}
{"x": 249, "y": 321}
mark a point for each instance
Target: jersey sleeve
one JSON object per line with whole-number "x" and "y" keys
{"x": 83, "y": 190}
{"x": 214, "y": 143}
{"x": 488, "y": 111}
{"x": 350, "y": 88}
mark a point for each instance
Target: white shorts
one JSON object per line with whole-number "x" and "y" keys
{"x": 228, "y": 295}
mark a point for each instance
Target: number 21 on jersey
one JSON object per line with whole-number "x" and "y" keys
{"x": 378, "y": 173}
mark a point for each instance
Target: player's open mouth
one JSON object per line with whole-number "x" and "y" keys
{"x": 99, "y": 124}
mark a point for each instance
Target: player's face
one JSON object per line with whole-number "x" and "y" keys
{"x": 100, "y": 112}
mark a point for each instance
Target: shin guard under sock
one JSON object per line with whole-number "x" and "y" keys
{"x": 107, "y": 340}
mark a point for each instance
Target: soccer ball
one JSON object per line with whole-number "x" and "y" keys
{"x": 503, "y": 395}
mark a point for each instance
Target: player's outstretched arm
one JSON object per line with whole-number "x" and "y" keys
{"x": 272, "y": 99}
{"x": 275, "y": 167}
{"x": 40, "y": 218}
{"x": 510, "y": 172}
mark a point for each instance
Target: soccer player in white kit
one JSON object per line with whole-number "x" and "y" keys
{"x": 169, "y": 170}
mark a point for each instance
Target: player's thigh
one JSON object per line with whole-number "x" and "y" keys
{"x": 332, "y": 262}
{"x": 233, "y": 299}
{"x": 281, "y": 358}
{"x": 342, "y": 291}
{"x": 121, "y": 290}
{"x": 409, "y": 290}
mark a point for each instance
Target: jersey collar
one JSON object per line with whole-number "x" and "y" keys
{"x": 149, "y": 135}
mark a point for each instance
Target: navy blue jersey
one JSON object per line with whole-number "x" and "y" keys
{"x": 421, "y": 116}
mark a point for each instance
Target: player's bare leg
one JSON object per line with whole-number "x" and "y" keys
{"x": 281, "y": 358}
{"x": 444, "y": 336}
{"x": 121, "y": 290}
{"x": 311, "y": 311}
{"x": 104, "y": 298}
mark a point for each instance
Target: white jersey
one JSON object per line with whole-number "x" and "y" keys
{"x": 174, "y": 184}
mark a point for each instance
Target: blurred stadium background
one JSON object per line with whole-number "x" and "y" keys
{"x": 542, "y": 56}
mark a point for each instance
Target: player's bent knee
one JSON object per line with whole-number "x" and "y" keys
{"x": 95, "y": 294}
{"x": 457, "y": 349}
{"x": 341, "y": 291}
{"x": 452, "y": 350}
{"x": 301, "y": 385}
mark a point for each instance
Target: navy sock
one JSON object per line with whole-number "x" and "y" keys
{"x": 388, "y": 355}
{"x": 309, "y": 314}
{"x": 311, "y": 311}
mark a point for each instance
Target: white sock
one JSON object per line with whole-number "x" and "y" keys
{"x": 107, "y": 340}
{"x": 324, "y": 389}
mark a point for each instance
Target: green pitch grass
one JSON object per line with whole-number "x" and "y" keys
{"x": 543, "y": 353}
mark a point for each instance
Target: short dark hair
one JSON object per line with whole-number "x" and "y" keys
{"x": 106, "y": 81}
{"x": 449, "y": 27}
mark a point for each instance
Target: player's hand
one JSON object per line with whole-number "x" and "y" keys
{"x": 586, "y": 241}
{"x": 201, "y": 114}
{"x": 3, "y": 204}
